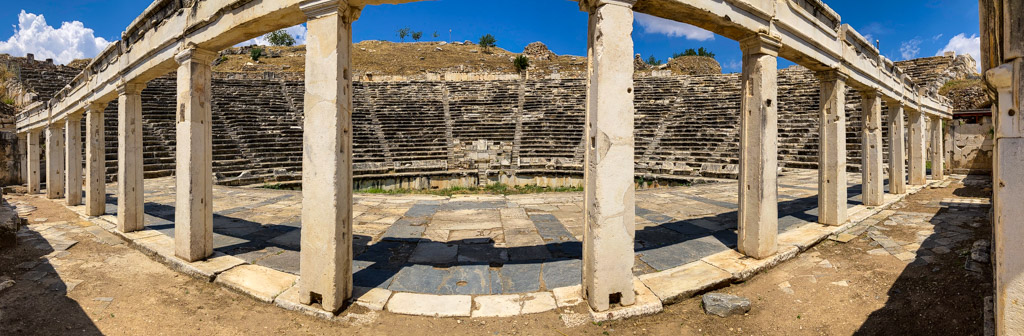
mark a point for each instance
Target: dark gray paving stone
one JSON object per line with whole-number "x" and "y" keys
{"x": 285, "y": 261}
{"x": 561, "y": 273}
{"x": 482, "y": 254}
{"x": 515, "y": 278}
{"x": 268, "y": 201}
{"x": 551, "y": 229}
{"x": 290, "y": 240}
{"x": 407, "y": 233}
{"x": 422, "y": 210}
{"x": 374, "y": 277}
{"x": 727, "y": 205}
{"x": 467, "y": 280}
{"x": 419, "y": 279}
{"x": 434, "y": 253}
{"x": 653, "y": 216}
{"x": 522, "y": 253}
{"x": 657, "y": 236}
{"x": 473, "y": 205}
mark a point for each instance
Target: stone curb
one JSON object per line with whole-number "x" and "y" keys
{"x": 654, "y": 290}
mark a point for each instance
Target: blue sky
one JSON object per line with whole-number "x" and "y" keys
{"x": 906, "y": 29}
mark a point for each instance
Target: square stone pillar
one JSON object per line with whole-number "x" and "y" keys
{"x": 1008, "y": 195}
{"x": 872, "y": 186}
{"x": 193, "y": 210}
{"x": 897, "y": 149}
{"x": 32, "y": 161}
{"x": 917, "y": 148}
{"x": 55, "y": 160}
{"x": 759, "y": 164}
{"x": 73, "y": 175}
{"x": 325, "y": 262}
{"x": 95, "y": 161}
{"x": 937, "y": 155}
{"x": 129, "y": 158}
{"x": 832, "y": 149}
{"x": 609, "y": 208}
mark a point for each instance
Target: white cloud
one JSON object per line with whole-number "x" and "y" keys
{"x": 963, "y": 45}
{"x": 72, "y": 40}
{"x": 298, "y": 32}
{"x": 910, "y": 49}
{"x": 656, "y": 25}
{"x": 937, "y": 37}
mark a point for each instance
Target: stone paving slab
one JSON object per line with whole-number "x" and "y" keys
{"x": 430, "y": 305}
{"x": 262, "y": 283}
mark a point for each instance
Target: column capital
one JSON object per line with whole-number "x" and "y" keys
{"x": 76, "y": 115}
{"x": 761, "y": 44}
{"x": 22, "y": 135}
{"x": 590, "y": 5}
{"x": 872, "y": 93}
{"x": 130, "y": 88}
{"x": 319, "y": 8}
{"x": 96, "y": 106}
{"x": 195, "y": 54}
{"x": 836, "y": 74}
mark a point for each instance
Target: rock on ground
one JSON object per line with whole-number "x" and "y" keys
{"x": 725, "y": 305}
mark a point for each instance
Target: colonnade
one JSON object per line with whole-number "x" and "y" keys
{"x": 608, "y": 255}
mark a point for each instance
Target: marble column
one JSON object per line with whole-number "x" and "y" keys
{"x": 609, "y": 200}
{"x": 193, "y": 211}
{"x": 325, "y": 263}
{"x": 759, "y": 129}
{"x": 95, "y": 161}
{"x": 130, "y": 201}
{"x": 917, "y": 148}
{"x": 832, "y": 149}
{"x": 22, "y": 157}
{"x": 872, "y": 186}
{"x": 32, "y": 162}
{"x": 73, "y": 175}
{"x": 55, "y": 160}
{"x": 897, "y": 148}
{"x": 937, "y": 155}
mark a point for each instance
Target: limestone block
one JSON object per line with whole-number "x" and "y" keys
{"x": 916, "y": 152}
{"x": 129, "y": 158}
{"x": 742, "y": 268}
{"x": 832, "y": 149}
{"x": 260, "y": 282}
{"x": 871, "y": 149}
{"x": 193, "y": 211}
{"x": 430, "y": 305}
{"x": 55, "y": 161}
{"x": 73, "y": 162}
{"x": 647, "y": 303}
{"x": 95, "y": 161}
{"x": 32, "y": 150}
{"x": 897, "y": 149}
{"x": 937, "y": 153}
{"x": 681, "y": 282}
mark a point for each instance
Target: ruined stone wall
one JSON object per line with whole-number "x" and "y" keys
{"x": 970, "y": 146}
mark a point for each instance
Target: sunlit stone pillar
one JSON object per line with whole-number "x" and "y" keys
{"x": 832, "y": 149}
{"x": 73, "y": 177}
{"x": 95, "y": 161}
{"x": 937, "y": 155}
{"x": 129, "y": 158}
{"x": 759, "y": 128}
{"x": 32, "y": 161}
{"x": 872, "y": 186}
{"x": 326, "y": 255}
{"x": 55, "y": 160}
{"x": 917, "y": 148}
{"x": 1008, "y": 195}
{"x": 897, "y": 148}
{"x": 193, "y": 210}
{"x": 608, "y": 179}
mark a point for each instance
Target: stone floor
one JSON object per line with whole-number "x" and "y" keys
{"x": 482, "y": 244}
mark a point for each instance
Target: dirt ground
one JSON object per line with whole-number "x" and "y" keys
{"x": 835, "y": 289}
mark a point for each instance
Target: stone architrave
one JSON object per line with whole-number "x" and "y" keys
{"x": 872, "y": 185}
{"x": 95, "y": 161}
{"x": 897, "y": 148}
{"x": 73, "y": 172}
{"x": 325, "y": 263}
{"x": 55, "y": 160}
{"x": 937, "y": 155}
{"x": 32, "y": 162}
{"x": 609, "y": 202}
{"x": 129, "y": 158}
{"x": 917, "y": 148}
{"x": 1008, "y": 195}
{"x": 193, "y": 211}
{"x": 832, "y": 149}
{"x": 759, "y": 128}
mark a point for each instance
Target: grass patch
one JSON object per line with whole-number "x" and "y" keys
{"x": 492, "y": 189}
{"x": 958, "y": 84}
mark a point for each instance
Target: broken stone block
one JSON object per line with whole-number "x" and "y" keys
{"x": 724, "y": 305}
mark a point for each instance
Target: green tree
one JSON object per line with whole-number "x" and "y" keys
{"x": 521, "y": 63}
{"x": 280, "y": 38}
{"x": 698, "y": 52}
{"x": 653, "y": 60}
{"x": 436, "y": 35}
{"x": 403, "y": 33}
{"x": 417, "y": 35}
{"x": 487, "y": 41}
{"x": 255, "y": 53}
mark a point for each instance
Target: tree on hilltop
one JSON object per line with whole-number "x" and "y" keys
{"x": 487, "y": 41}
{"x": 280, "y": 38}
{"x": 404, "y": 32}
{"x": 417, "y": 35}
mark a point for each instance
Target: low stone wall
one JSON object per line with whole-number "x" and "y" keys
{"x": 10, "y": 223}
{"x": 971, "y": 146}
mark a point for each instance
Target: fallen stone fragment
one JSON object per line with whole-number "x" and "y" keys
{"x": 843, "y": 237}
{"x": 974, "y": 266}
{"x": 6, "y": 284}
{"x": 980, "y": 252}
{"x": 843, "y": 283}
{"x": 724, "y": 305}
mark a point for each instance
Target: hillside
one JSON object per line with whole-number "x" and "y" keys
{"x": 408, "y": 59}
